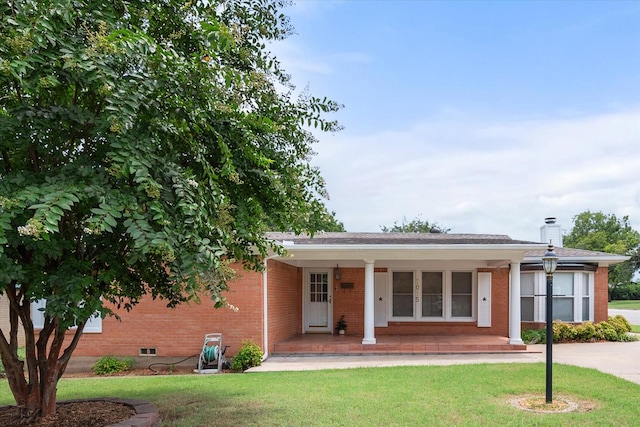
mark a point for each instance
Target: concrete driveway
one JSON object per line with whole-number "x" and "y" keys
{"x": 633, "y": 316}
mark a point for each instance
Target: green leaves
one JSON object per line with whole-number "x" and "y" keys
{"x": 606, "y": 233}
{"x": 144, "y": 149}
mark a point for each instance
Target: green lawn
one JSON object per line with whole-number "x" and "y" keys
{"x": 467, "y": 395}
{"x": 625, "y": 305}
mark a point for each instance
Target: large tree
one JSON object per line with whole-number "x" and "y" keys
{"x": 144, "y": 145}
{"x": 417, "y": 225}
{"x": 597, "y": 231}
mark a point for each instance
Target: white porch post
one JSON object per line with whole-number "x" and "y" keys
{"x": 369, "y": 302}
{"x": 514, "y": 305}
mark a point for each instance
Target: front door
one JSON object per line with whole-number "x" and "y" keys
{"x": 318, "y": 301}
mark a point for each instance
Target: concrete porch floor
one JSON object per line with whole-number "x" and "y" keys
{"x": 318, "y": 344}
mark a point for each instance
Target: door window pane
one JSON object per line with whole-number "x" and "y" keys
{"x": 402, "y": 294}
{"x": 432, "y": 294}
{"x": 318, "y": 287}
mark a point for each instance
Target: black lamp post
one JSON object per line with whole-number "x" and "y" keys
{"x": 549, "y": 263}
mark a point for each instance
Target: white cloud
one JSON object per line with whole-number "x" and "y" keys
{"x": 486, "y": 177}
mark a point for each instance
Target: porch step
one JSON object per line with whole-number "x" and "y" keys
{"x": 314, "y": 345}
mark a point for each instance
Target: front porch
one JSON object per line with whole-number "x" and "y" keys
{"x": 326, "y": 344}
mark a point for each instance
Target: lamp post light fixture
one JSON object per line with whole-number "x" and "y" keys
{"x": 549, "y": 263}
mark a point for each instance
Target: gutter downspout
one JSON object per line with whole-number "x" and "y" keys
{"x": 265, "y": 308}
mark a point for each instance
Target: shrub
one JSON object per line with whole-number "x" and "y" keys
{"x": 629, "y": 291}
{"x": 621, "y": 324}
{"x": 250, "y": 355}
{"x": 111, "y": 364}
{"x": 615, "y": 329}
{"x": 587, "y": 331}
{"x": 534, "y": 336}
{"x": 563, "y": 332}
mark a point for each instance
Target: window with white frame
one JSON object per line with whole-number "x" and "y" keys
{"x": 402, "y": 294}
{"x": 572, "y": 296}
{"x": 527, "y": 297}
{"x": 432, "y": 295}
{"x": 93, "y": 325}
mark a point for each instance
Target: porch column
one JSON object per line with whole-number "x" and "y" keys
{"x": 369, "y": 302}
{"x": 514, "y": 305}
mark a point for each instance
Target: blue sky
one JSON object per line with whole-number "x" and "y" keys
{"x": 485, "y": 117}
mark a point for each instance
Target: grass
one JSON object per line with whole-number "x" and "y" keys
{"x": 469, "y": 395}
{"x": 625, "y": 304}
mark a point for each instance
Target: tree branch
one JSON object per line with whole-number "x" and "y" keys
{"x": 7, "y": 162}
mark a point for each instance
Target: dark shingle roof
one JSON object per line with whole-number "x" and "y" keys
{"x": 569, "y": 253}
{"x": 337, "y": 238}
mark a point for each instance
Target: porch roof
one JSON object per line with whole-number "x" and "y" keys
{"x": 495, "y": 249}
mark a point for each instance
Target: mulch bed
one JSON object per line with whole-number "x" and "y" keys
{"x": 76, "y": 414}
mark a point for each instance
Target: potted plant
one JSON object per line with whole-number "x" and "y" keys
{"x": 341, "y": 325}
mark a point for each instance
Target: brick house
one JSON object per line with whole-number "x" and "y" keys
{"x": 384, "y": 284}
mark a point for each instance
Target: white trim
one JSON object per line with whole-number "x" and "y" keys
{"x": 514, "y": 304}
{"x": 369, "y": 304}
{"x": 265, "y": 309}
{"x": 305, "y": 301}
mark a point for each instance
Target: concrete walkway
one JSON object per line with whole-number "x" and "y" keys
{"x": 619, "y": 359}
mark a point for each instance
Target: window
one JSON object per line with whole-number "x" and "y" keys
{"x": 432, "y": 295}
{"x": 586, "y": 301}
{"x": 527, "y": 297}
{"x": 572, "y": 296}
{"x": 563, "y": 297}
{"x": 461, "y": 294}
{"x": 319, "y": 287}
{"x": 402, "y": 294}
{"x": 93, "y": 325}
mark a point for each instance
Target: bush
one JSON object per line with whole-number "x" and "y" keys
{"x": 534, "y": 336}
{"x": 615, "y": 329}
{"x": 587, "y": 331}
{"x": 621, "y": 324}
{"x": 250, "y": 355}
{"x": 563, "y": 332}
{"x": 111, "y": 364}
{"x": 629, "y": 291}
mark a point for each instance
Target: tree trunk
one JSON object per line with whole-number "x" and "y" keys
{"x": 35, "y": 390}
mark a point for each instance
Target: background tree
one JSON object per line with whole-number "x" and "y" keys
{"x": 596, "y": 231}
{"x": 415, "y": 226}
{"x": 144, "y": 146}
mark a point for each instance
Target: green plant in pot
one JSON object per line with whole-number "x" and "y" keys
{"x": 341, "y": 325}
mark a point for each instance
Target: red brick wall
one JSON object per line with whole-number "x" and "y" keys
{"x": 601, "y": 295}
{"x": 284, "y": 296}
{"x": 180, "y": 331}
{"x": 350, "y": 302}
